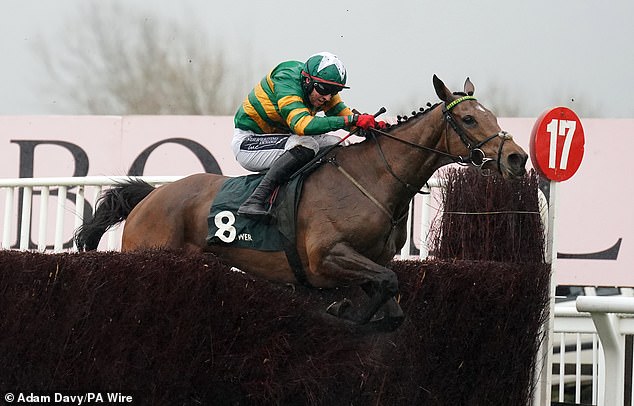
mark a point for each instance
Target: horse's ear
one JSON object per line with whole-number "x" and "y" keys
{"x": 443, "y": 93}
{"x": 468, "y": 87}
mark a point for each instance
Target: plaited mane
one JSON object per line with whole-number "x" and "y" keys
{"x": 421, "y": 111}
{"x": 415, "y": 114}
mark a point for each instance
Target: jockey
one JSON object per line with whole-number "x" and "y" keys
{"x": 277, "y": 127}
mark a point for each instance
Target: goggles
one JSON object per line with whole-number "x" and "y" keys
{"x": 325, "y": 89}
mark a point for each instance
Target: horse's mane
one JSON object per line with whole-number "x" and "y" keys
{"x": 400, "y": 120}
{"x": 417, "y": 114}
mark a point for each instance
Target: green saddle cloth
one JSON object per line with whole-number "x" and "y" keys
{"x": 226, "y": 227}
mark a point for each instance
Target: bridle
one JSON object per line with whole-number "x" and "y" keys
{"x": 476, "y": 156}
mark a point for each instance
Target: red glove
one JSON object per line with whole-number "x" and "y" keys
{"x": 365, "y": 121}
{"x": 381, "y": 125}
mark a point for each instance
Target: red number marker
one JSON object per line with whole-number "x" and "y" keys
{"x": 557, "y": 144}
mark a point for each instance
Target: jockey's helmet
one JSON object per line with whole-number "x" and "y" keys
{"x": 325, "y": 72}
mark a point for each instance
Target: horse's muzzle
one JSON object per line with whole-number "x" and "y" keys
{"x": 515, "y": 165}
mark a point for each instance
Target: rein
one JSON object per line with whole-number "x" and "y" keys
{"x": 408, "y": 186}
{"x": 476, "y": 156}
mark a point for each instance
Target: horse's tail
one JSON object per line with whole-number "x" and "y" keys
{"x": 113, "y": 206}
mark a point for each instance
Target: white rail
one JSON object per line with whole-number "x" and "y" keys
{"x": 42, "y": 187}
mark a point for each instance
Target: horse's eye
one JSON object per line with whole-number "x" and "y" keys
{"x": 468, "y": 120}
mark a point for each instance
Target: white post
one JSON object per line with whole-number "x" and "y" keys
{"x": 8, "y": 215}
{"x": 59, "y": 218}
{"x": 41, "y": 237}
{"x": 425, "y": 216}
{"x": 405, "y": 250}
{"x": 79, "y": 210}
{"x": 425, "y": 221}
{"x": 544, "y": 374}
{"x": 25, "y": 232}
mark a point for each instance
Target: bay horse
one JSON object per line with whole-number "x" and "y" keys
{"x": 351, "y": 218}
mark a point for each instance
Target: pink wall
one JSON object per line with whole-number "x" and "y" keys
{"x": 594, "y": 206}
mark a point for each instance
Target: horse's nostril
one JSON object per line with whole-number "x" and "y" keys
{"x": 517, "y": 162}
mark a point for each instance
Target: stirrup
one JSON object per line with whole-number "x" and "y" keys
{"x": 254, "y": 210}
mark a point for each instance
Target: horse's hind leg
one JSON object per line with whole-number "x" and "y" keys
{"x": 345, "y": 264}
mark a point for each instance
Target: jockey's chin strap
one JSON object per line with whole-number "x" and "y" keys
{"x": 476, "y": 156}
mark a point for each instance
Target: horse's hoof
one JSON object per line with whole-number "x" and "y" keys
{"x": 338, "y": 308}
{"x": 377, "y": 317}
{"x": 388, "y": 319}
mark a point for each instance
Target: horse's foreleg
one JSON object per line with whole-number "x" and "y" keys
{"x": 391, "y": 310}
{"x": 346, "y": 265}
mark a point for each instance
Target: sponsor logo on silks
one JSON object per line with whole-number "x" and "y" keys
{"x": 259, "y": 143}
{"x": 245, "y": 237}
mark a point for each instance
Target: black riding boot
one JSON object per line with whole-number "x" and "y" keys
{"x": 280, "y": 172}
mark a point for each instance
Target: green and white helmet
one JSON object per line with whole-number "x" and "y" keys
{"x": 326, "y": 68}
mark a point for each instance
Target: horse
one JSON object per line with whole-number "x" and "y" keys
{"x": 351, "y": 219}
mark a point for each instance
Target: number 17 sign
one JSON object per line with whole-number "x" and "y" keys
{"x": 557, "y": 144}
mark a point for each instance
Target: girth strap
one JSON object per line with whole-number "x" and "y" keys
{"x": 295, "y": 262}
